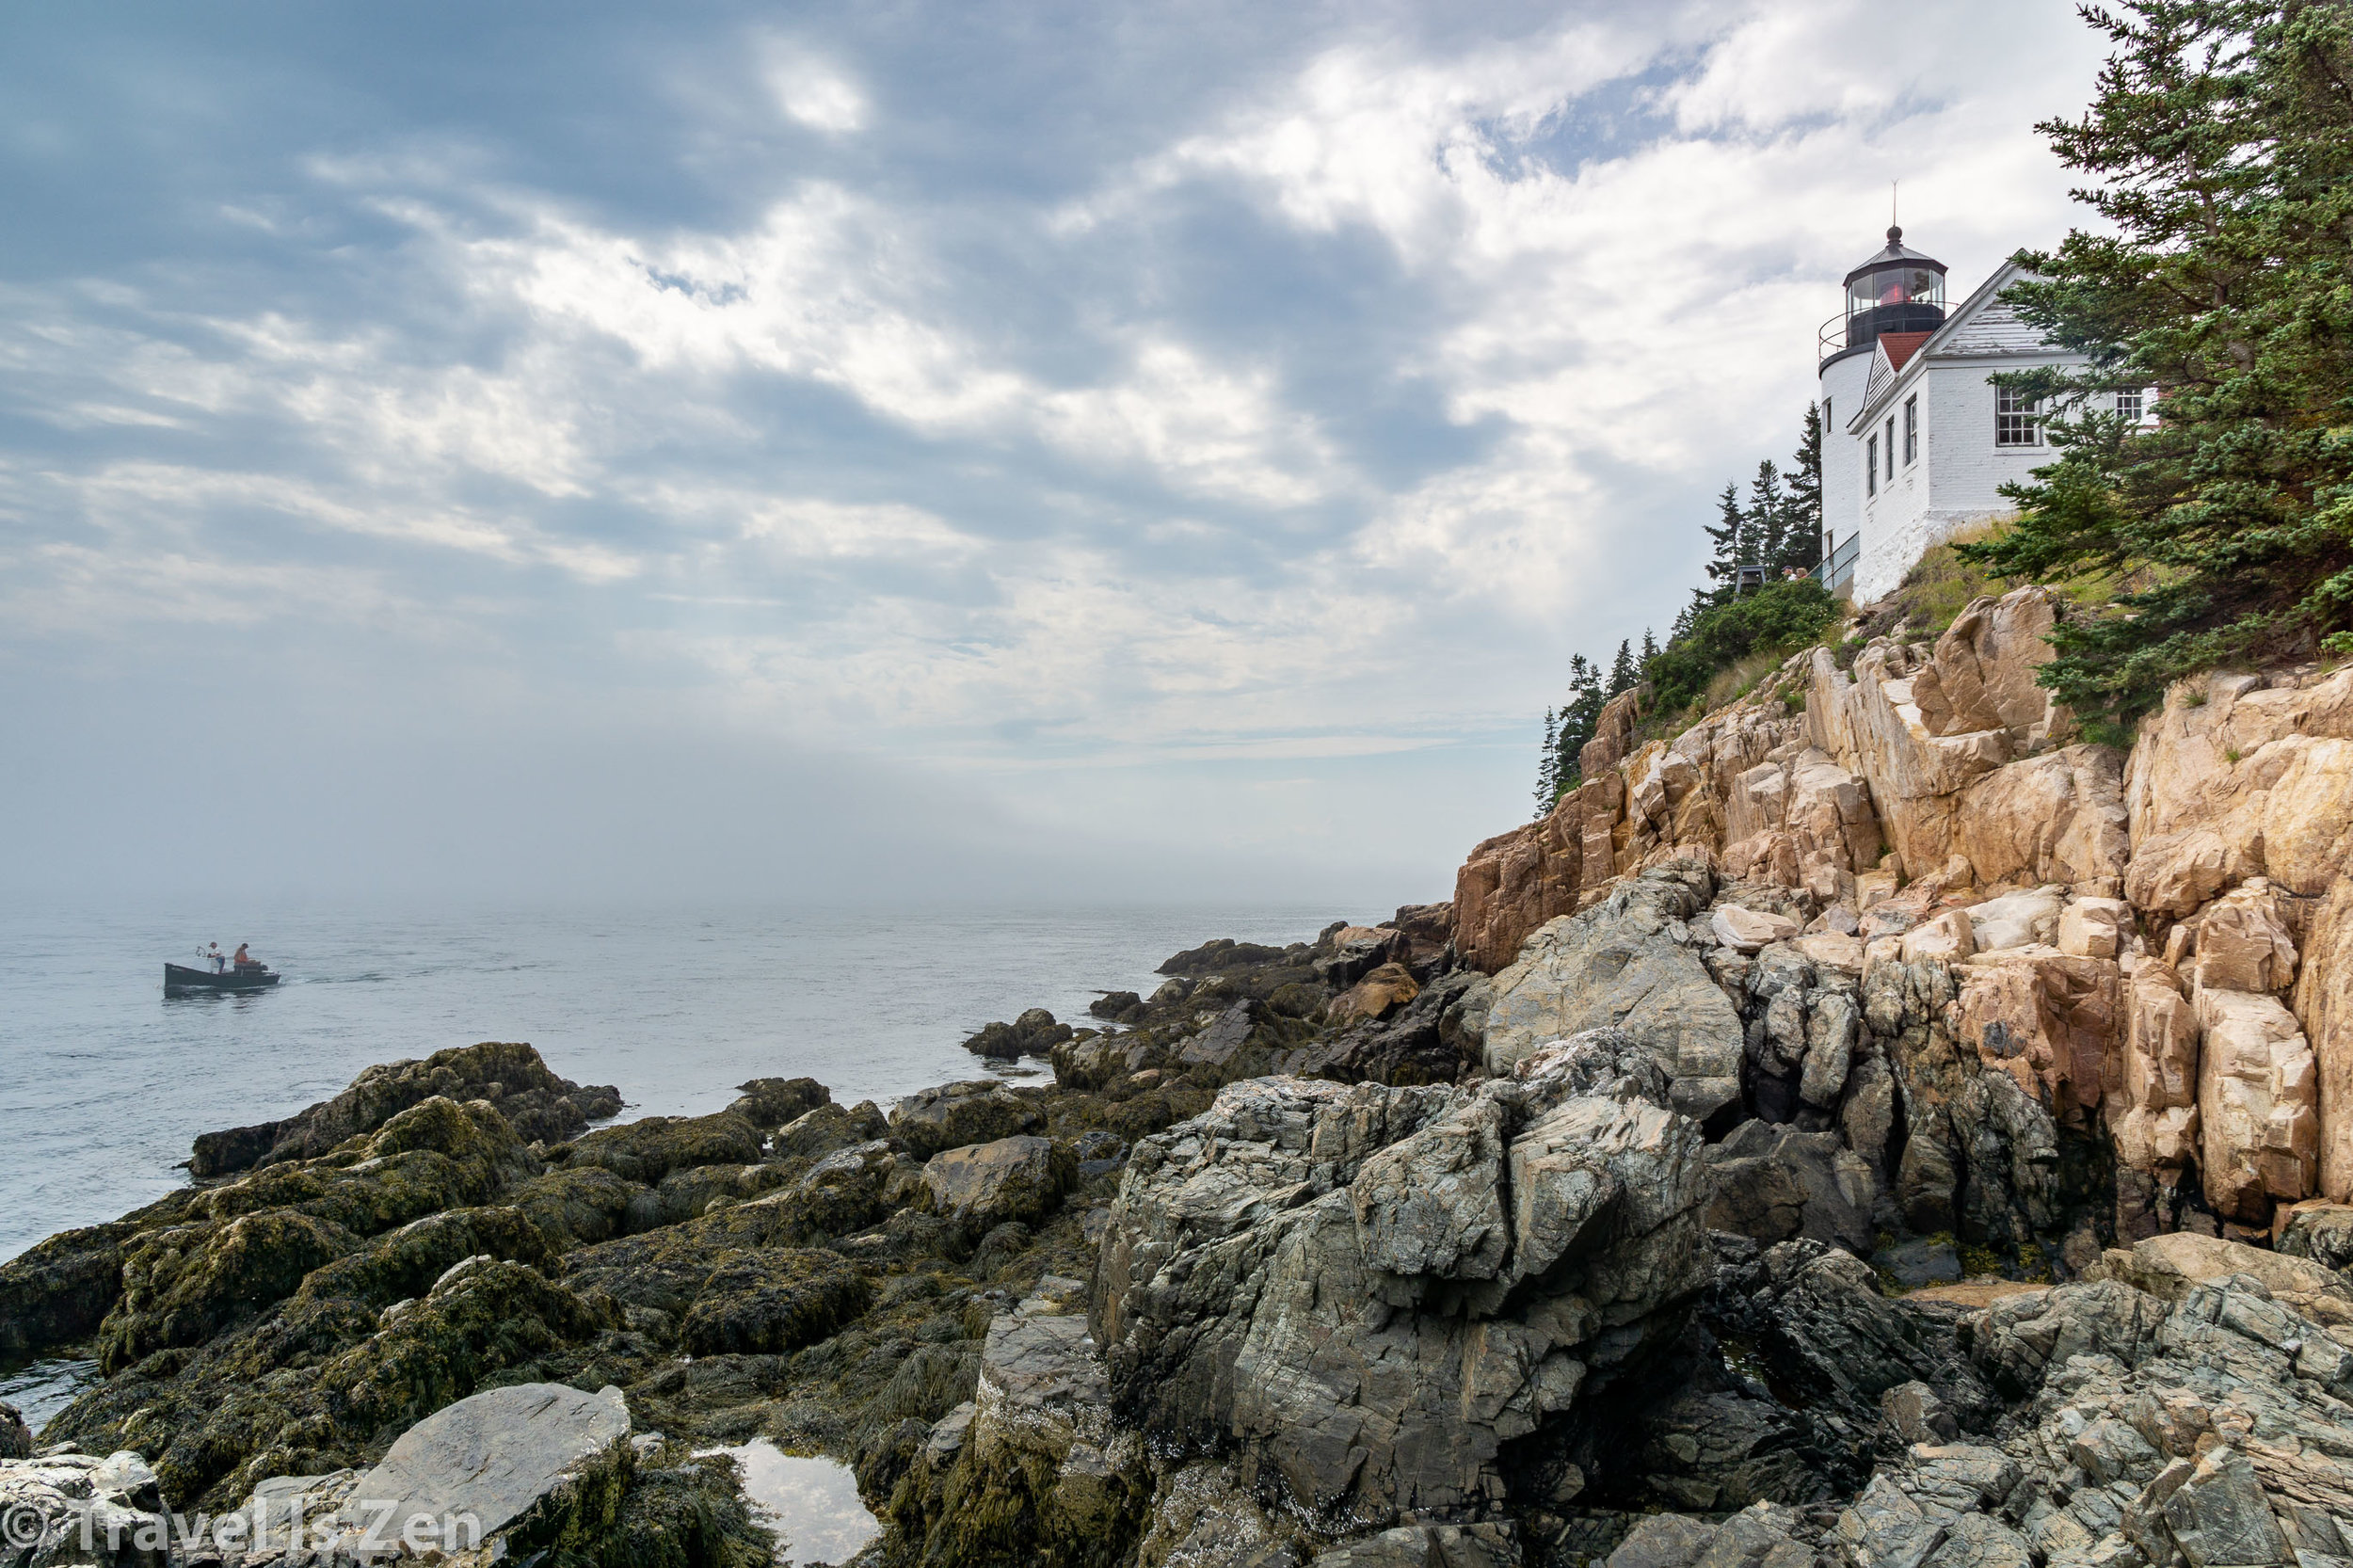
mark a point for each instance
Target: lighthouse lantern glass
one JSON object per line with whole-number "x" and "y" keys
{"x": 1895, "y": 285}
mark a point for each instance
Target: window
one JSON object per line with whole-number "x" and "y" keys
{"x": 1828, "y": 422}
{"x": 1911, "y": 428}
{"x": 1871, "y": 467}
{"x": 2129, "y": 406}
{"x": 2014, "y": 424}
{"x": 1891, "y": 446}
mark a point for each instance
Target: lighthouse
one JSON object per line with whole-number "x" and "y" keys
{"x": 1917, "y": 439}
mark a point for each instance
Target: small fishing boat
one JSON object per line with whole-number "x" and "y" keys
{"x": 180, "y": 981}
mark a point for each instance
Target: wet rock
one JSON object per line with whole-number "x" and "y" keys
{"x": 538, "y": 1104}
{"x": 16, "y": 1438}
{"x": 1116, "y": 1006}
{"x": 771, "y": 1102}
{"x": 1035, "y": 1032}
{"x": 2018, "y": 1339}
{"x": 1773, "y": 1183}
{"x": 772, "y": 1301}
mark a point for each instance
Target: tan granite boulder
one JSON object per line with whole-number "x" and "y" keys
{"x": 2324, "y": 1005}
{"x": 1982, "y": 675}
{"x": 2095, "y": 927}
{"x": 2049, "y": 1021}
{"x": 2242, "y": 942}
{"x": 2258, "y": 1100}
{"x": 2055, "y": 818}
{"x": 2159, "y": 1127}
{"x": 2241, "y": 775}
{"x": 1949, "y": 936}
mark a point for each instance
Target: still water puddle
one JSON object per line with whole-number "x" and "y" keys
{"x": 812, "y": 1504}
{"x": 39, "y": 1389}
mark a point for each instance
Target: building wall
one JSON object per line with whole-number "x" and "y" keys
{"x": 1959, "y": 473}
{"x": 1842, "y": 385}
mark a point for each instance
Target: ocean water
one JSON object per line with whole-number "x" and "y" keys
{"x": 106, "y": 1081}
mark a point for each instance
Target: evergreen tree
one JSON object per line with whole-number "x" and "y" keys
{"x": 2220, "y": 156}
{"x": 1548, "y": 765}
{"x": 1650, "y": 647}
{"x": 1802, "y": 537}
{"x": 1766, "y": 520}
{"x": 1578, "y": 718}
{"x": 1622, "y": 673}
{"x": 1723, "y": 566}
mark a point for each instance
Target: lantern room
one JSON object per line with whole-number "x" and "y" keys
{"x": 1900, "y": 290}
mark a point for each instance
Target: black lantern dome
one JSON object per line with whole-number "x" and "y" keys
{"x": 1900, "y": 290}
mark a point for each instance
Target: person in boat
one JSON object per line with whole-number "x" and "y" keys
{"x": 244, "y": 960}
{"x": 213, "y": 955}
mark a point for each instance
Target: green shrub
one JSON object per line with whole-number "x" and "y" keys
{"x": 1764, "y": 626}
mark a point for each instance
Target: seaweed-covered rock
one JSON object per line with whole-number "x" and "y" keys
{"x": 828, "y": 1128}
{"x": 182, "y": 1285}
{"x": 1033, "y": 1034}
{"x": 645, "y": 1151}
{"x": 533, "y": 1099}
{"x": 955, "y": 1114}
{"x": 772, "y": 1301}
{"x": 771, "y": 1103}
{"x": 578, "y": 1204}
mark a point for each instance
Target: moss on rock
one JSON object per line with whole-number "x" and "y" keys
{"x": 774, "y": 1300}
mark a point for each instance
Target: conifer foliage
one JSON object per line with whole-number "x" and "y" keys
{"x": 2219, "y": 152}
{"x": 1778, "y": 527}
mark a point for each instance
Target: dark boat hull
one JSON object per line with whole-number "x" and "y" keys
{"x": 180, "y": 981}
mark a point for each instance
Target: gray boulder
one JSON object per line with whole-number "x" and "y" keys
{"x": 1631, "y": 960}
{"x": 1363, "y": 1292}
{"x": 983, "y": 1184}
{"x": 16, "y": 1438}
{"x": 478, "y": 1466}
{"x": 1774, "y": 1183}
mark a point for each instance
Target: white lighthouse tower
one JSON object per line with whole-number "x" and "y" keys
{"x": 1919, "y": 436}
{"x": 1898, "y": 292}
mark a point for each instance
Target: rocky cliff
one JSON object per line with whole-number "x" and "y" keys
{"x": 1866, "y": 1130}
{"x": 2145, "y": 943}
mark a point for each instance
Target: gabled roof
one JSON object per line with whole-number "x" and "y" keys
{"x": 1981, "y": 324}
{"x": 1898, "y": 346}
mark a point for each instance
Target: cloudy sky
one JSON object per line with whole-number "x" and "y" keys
{"x": 894, "y": 450}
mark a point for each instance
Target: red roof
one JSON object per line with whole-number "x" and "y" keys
{"x": 1901, "y": 347}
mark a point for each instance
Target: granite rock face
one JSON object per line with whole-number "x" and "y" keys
{"x": 1633, "y": 963}
{"x": 1363, "y": 1293}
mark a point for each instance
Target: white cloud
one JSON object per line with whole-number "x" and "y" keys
{"x": 814, "y": 92}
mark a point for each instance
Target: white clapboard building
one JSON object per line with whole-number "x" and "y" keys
{"x": 1916, "y": 438}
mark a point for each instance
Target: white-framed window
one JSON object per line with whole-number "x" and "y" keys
{"x": 1828, "y": 422}
{"x": 2132, "y": 406}
{"x": 1912, "y": 429}
{"x": 1871, "y": 466}
{"x": 2014, "y": 422}
{"x": 1891, "y": 446}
